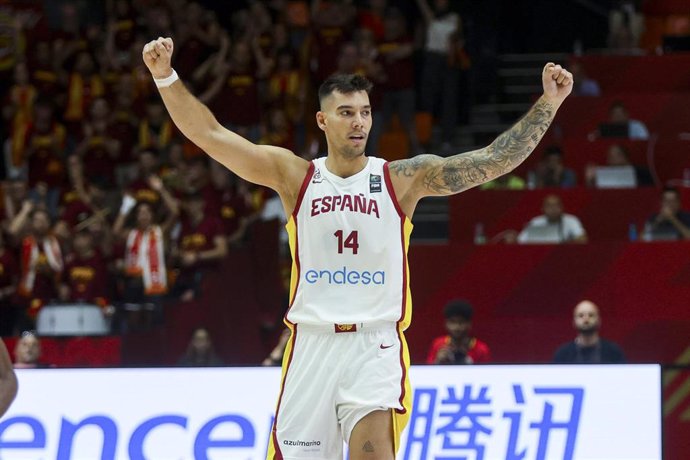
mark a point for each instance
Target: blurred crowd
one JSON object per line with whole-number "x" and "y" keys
{"x": 104, "y": 202}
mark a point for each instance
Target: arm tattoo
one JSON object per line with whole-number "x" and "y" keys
{"x": 446, "y": 176}
{"x": 368, "y": 447}
{"x": 408, "y": 168}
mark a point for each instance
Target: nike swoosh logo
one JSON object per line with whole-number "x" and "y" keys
{"x": 383, "y": 347}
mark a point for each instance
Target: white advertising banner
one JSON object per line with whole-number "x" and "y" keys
{"x": 461, "y": 412}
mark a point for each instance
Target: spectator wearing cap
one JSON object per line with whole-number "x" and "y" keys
{"x": 458, "y": 346}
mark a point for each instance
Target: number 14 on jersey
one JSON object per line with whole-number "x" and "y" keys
{"x": 348, "y": 242}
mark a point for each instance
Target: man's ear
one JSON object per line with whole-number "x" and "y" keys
{"x": 321, "y": 120}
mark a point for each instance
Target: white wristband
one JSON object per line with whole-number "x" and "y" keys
{"x": 167, "y": 81}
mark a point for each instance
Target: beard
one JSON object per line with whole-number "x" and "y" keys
{"x": 354, "y": 152}
{"x": 588, "y": 330}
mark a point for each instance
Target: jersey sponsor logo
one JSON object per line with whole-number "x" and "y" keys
{"x": 288, "y": 442}
{"x": 345, "y": 276}
{"x": 353, "y": 203}
{"x": 317, "y": 178}
{"x": 383, "y": 347}
{"x": 374, "y": 183}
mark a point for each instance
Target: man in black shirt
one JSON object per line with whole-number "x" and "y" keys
{"x": 588, "y": 347}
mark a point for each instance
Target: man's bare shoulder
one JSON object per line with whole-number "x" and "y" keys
{"x": 292, "y": 168}
{"x": 410, "y": 167}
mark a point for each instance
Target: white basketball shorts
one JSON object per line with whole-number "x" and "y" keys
{"x": 333, "y": 376}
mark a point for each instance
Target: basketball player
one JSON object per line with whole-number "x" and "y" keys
{"x": 8, "y": 380}
{"x": 345, "y": 365}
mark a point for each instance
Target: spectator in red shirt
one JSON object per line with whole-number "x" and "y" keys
{"x": 85, "y": 274}
{"x": 43, "y": 69}
{"x": 140, "y": 189}
{"x": 84, "y": 85}
{"x": 398, "y": 95}
{"x": 459, "y": 346}
{"x": 235, "y": 206}
{"x": 86, "y": 204}
{"x": 201, "y": 244}
{"x": 45, "y": 149}
{"x": 331, "y": 25}
{"x": 197, "y": 179}
{"x": 372, "y": 18}
{"x": 236, "y": 84}
{"x": 99, "y": 149}
{"x": 155, "y": 128}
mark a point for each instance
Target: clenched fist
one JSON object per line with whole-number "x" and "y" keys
{"x": 157, "y": 55}
{"x": 557, "y": 81}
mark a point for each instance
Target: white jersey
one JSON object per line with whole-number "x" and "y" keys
{"x": 349, "y": 240}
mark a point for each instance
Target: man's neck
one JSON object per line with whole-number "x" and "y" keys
{"x": 587, "y": 340}
{"x": 345, "y": 167}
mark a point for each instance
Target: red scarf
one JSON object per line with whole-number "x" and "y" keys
{"x": 30, "y": 255}
{"x": 145, "y": 257}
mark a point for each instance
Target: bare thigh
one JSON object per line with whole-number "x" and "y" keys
{"x": 372, "y": 437}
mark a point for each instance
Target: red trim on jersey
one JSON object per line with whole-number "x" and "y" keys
{"x": 298, "y": 204}
{"x": 402, "y": 316}
{"x": 403, "y": 307}
{"x": 298, "y": 274}
{"x": 403, "y": 377}
{"x": 274, "y": 434}
{"x": 391, "y": 192}
{"x": 303, "y": 190}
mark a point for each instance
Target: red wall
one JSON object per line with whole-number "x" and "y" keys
{"x": 524, "y": 296}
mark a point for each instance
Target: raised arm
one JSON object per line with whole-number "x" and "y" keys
{"x": 17, "y": 224}
{"x": 430, "y": 175}
{"x": 270, "y": 166}
{"x": 171, "y": 204}
{"x": 427, "y": 12}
